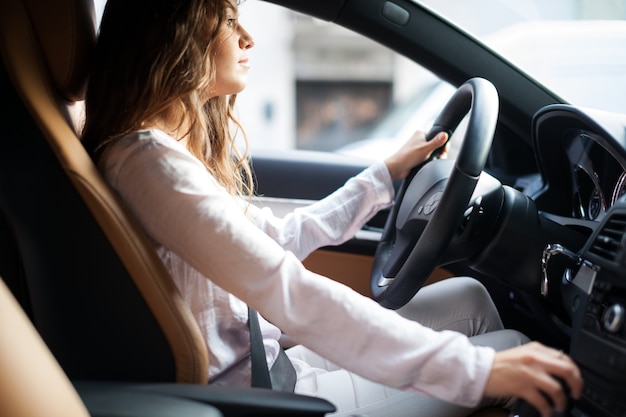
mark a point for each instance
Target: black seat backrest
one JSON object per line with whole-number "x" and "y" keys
{"x": 80, "y": 266}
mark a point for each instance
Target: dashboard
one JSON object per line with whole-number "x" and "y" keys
{"x": 581, "y": 154}
{"x": 582, "y": 157}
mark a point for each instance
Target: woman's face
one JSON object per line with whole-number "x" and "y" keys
{"x": 231, "y": 60}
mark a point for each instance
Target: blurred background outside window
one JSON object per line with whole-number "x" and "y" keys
{"x": 316, "y": 86}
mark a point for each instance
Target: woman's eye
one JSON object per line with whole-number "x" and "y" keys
{"x": 231, "y": 22}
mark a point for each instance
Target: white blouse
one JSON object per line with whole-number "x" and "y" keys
{"x": 223, "y": 257}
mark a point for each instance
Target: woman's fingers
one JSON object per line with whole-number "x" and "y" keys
{"x": 559, "y": 365}
{"x": 415, "y": 151}
{"x": 536, "y": 373}
{"x": 548, "y": 395}
{"x": 539, "y": 389}
{"x": 539, "y": 402}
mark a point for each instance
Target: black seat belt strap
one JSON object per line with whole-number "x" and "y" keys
{"x": 282, "y": 376}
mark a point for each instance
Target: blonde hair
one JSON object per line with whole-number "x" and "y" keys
{"x": 156, "y": 57}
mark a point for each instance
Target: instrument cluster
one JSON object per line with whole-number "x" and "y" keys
{"x": 598, "y": 178}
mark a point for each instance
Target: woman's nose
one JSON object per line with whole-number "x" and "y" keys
{"x": 245, "y": 41}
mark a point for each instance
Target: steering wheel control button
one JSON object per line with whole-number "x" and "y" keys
{"x": 432, "y": 203}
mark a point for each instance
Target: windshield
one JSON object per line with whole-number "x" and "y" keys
{"x": 575, "y": 48}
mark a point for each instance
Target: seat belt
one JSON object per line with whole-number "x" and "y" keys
{"x": 282, "y": 376}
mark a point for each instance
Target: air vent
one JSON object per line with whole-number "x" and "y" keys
{"x": 608, "y": 241}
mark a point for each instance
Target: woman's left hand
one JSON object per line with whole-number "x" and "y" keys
{"x": 415, "y": 151}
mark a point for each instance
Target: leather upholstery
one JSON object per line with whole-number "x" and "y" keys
{"x": 45, "y": 46}
{"x": 31, "y": 382}
{"x": 66, "y": 32}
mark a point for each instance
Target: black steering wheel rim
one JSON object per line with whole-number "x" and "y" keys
{"x": 398, "y": 271}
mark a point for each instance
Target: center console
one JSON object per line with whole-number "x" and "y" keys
{"x": 599, "y": 335}
{"x": 596, "y": 295}
{"x": 593, "y": 288}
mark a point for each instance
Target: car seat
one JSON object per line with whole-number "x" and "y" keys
{"x": 32, "y": 384}
{"x": 81, "y": 267}
{"x": 95, "y": 287}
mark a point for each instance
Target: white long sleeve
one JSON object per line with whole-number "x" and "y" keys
{"x": 330, "y": 221}
{"x": 221, "y": 260}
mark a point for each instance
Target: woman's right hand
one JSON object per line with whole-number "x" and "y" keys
{"x": 532, "y": 372}
{"x": 414, "y": 151}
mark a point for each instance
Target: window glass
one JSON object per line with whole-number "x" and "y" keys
{"x": 316, "y": 86}
{"x": 575, "y": 48}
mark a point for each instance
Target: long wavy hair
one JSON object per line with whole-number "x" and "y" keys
{"x": 156, "y": 57}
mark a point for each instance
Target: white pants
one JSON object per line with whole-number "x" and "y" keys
{"x": 474, "y": 314}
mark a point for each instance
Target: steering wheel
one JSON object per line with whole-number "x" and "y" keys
{"x": 434, "y": 198}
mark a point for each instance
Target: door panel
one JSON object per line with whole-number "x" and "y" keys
{"x": 350, "y": 269}
{"x": 307, "y": 175}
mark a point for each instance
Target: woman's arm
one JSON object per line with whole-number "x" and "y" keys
{"x": 332, "y": 220}
{"x": 336, "y": 218}
{"x": 183, "y": 209}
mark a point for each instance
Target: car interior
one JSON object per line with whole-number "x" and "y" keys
{"x": 35, "y": 385}
{"x": 540, "y": 222}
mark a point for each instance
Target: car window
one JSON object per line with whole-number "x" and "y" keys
{"x": 325, "y": 95}
{"x": 575, "y": 48}
{"x": 316, "y": 86}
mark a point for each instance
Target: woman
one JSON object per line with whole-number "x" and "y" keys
{"x": 160, "y": 124}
